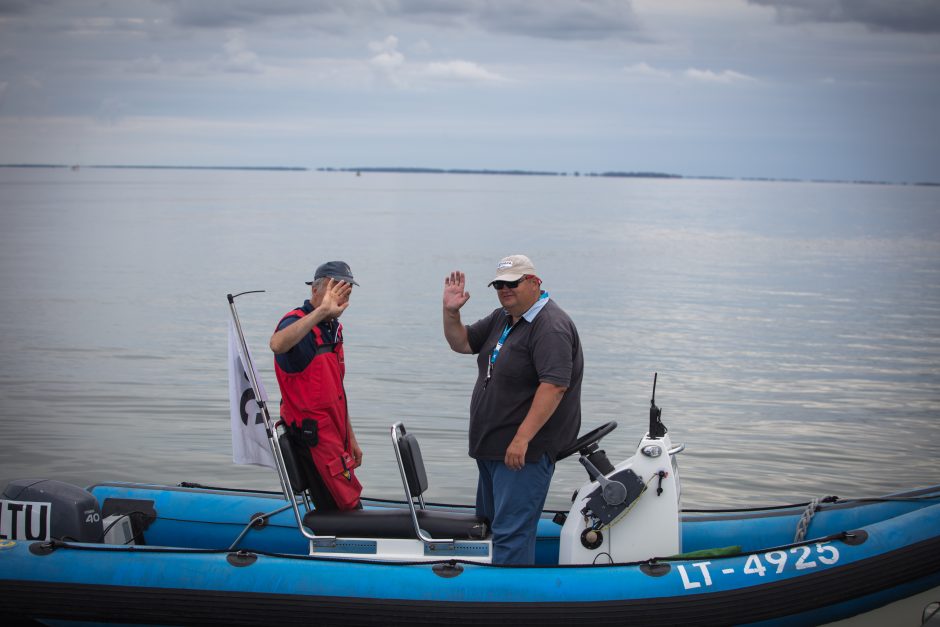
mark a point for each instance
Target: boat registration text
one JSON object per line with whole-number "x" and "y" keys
{"x": 804, "y": 557}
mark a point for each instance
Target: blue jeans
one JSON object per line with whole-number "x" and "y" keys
{"x": 512, "y": 500}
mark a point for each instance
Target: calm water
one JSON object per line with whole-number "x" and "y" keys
{"x": 795, "y": 326}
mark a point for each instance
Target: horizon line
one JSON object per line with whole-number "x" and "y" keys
{"x": 484, "y": 171}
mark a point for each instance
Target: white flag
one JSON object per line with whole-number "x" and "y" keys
{"x": 249, "y": 439}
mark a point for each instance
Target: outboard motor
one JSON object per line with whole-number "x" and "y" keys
{"x": 42, "y": 509}
{"x": 630, "y": 512}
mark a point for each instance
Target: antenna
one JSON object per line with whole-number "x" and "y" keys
{"x": 657, "y": 428}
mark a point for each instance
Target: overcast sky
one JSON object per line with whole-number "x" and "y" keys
{"x": 831, "y": 89}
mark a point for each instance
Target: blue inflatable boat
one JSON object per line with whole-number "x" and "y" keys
{"x": 624, "y": 554}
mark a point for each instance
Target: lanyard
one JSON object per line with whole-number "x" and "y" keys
{"x": 496, "y": 349}
{"x": 502, "y": 339}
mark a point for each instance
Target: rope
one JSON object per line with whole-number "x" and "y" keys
{"x": 805, "y": 518}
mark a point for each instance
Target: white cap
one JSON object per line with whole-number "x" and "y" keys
{"x": 513, "y": 267}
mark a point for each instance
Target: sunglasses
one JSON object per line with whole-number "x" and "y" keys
{"x": 498, "y": 285}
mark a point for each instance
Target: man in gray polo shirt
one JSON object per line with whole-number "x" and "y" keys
{"x": 526, "y": 403}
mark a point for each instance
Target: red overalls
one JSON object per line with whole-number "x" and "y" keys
{"x": 317, "y": 393}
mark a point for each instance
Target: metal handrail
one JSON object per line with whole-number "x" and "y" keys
{"x": 271, "y": 433}
{"x": 426, "y": 539}
{"x": 676, "y": 449}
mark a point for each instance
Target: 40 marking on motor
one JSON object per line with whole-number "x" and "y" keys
{"x": 798, "y": 558}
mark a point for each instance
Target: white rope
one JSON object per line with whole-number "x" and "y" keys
{"x": 803, "y": 525}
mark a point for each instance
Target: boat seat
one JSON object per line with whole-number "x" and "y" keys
{"x": 396, "y": 523}
{"x": 410, "y": 522}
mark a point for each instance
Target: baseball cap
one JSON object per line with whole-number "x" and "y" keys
{"x": 336, "y": 270}
{"x": 513, "y": 267}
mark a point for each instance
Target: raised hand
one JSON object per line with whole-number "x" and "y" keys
{"x": 454, "y": 295}
{"x": 335, "y": 298}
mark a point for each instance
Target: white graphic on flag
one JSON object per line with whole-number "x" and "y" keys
{"x": 249, "y": 439}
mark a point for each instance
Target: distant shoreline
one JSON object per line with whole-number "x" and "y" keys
{"x": 151, "y": 167}
{"x": 411, "y": 170}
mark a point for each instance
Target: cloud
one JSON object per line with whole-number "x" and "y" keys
{"x": 389, "y": 44}
{"x": 110, "y": 111}
{"x": 422, "y": 47}
{"x": 237, "y": 58}
{"x": 643, "y": 70}
{"x": 557, "y": 19}
{"x": 906, "y": 16}
{"x": 388, "y": 61}
{"x": 103, "y": 26}
{"x": 463, "y": 71}
{"x": 479, "y": 65}
{"x": 234, "y": 58}
{"x": 547, "y": 19}
{"x": 146, "y": 65}
{"x": 725, "y": 77}
{"x": 235, "y": 13}
{"x": 391, "y": 66}
{"x": 17, "y": 7}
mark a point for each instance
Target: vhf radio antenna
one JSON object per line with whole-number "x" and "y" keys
{"x": 657, "y": 428}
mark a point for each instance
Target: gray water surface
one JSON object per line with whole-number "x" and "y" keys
{"x": 795, "y": 327}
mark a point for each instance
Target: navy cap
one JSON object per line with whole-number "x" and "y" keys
{"x": 336, "y": 270}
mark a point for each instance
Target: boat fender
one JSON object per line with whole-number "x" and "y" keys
{"x": 45, "y": 548}
{"x": 241, "y": 558}
{"x": 655, "y": 569}
{"x": 855, "y": 538}
{"x": 447, "y": 570}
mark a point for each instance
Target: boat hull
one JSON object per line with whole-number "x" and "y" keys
{"x": 834, "y": 576}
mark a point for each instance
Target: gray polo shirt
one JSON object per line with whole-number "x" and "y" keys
{"x": 548, "y": 349}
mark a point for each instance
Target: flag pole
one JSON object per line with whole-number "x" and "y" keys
{"x": 281, "y": 467}
{"x": 262, "y": 404}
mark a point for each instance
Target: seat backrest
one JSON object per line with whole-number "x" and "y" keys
{"x": 303, "y": 473}
{"x": 413, "y": 464}
{"x": 298, "y": 479}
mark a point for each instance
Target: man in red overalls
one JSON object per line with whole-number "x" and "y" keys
{"x": 309, "y": 364}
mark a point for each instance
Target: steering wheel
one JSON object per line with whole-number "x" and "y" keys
{"x": 591, "y": 437}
